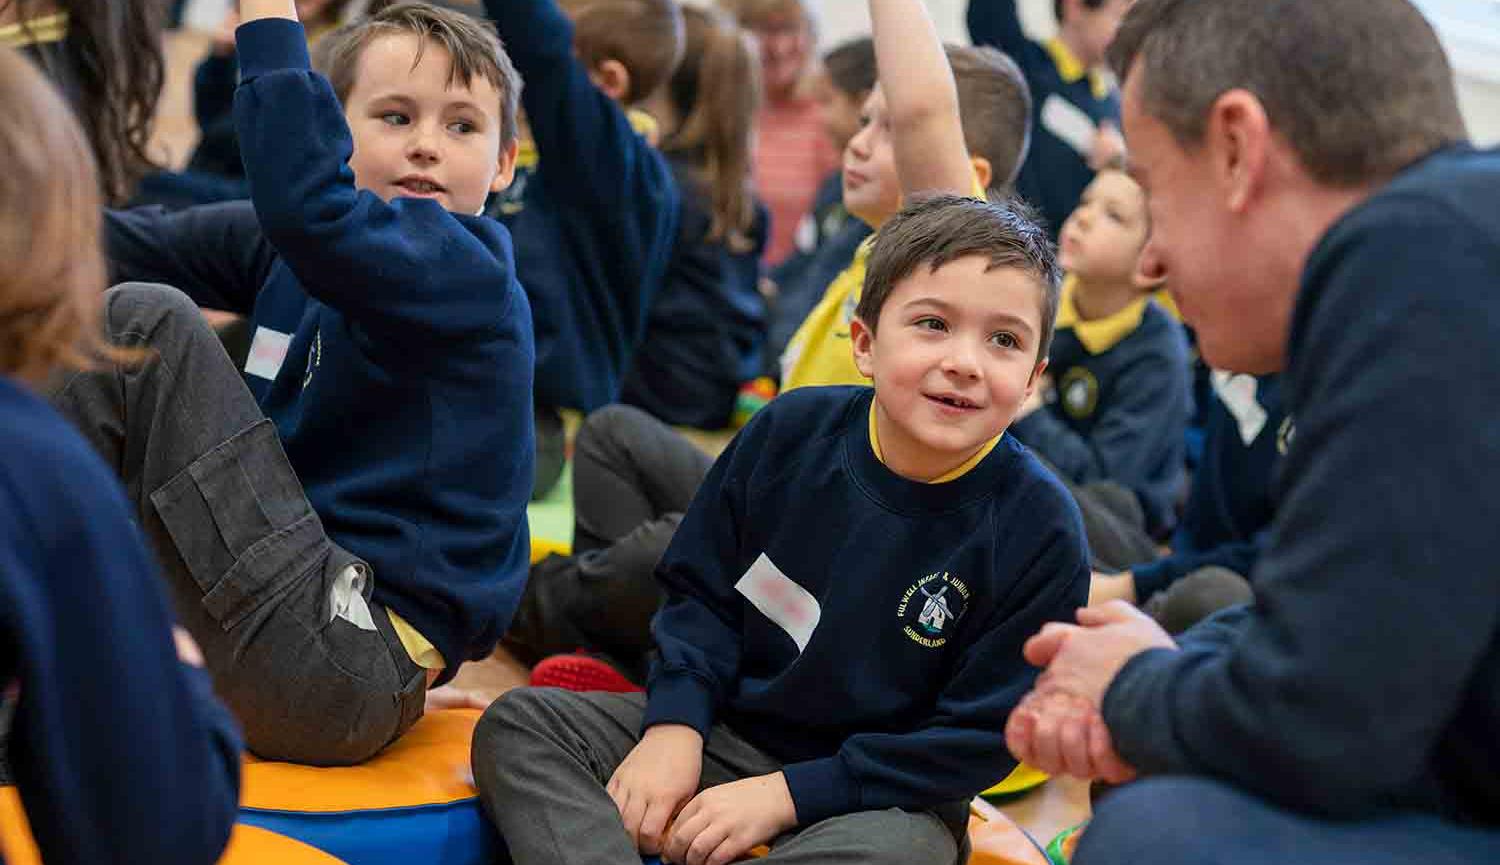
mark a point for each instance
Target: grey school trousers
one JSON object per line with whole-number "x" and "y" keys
{"x": 247, "y": 562}
{"x": 542, "y": 757}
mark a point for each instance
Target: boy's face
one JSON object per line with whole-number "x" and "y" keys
{"x": 1101, "y": 239}
{"x": 416, "y": 137}
{"x": 954, "y": 359}
{"x": 872, "y": 188}
{"x": 1096, "y": 28}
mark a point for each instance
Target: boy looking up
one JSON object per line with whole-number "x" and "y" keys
{"x": 846, "y": 596}
{"x": 393, "y": 355}
{"x": 1076, "y": 111}
{"x": 952, "y": 121}
{"x": 1118, "y": 395}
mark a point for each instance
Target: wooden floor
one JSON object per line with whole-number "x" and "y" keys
{"x": 1043, "y": 813}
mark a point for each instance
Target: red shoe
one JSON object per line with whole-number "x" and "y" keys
{"x": 581, "y": 672}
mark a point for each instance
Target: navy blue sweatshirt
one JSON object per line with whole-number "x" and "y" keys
{"x": 1120, "y": 415}
{"x": 403, "y": 394}
{"x": 1366, "y": 676}
{"x": 120, "y": 752}
{"x": 910, "y": 603}
{"x": 1055, "y": 173}
{"x": 596, "y": 222}
{"x": 707, "y": 330}
{"x": 1231, "y": 505}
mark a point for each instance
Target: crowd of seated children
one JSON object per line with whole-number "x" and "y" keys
{"x": 1227, "y": 515}
{"x": 344, "y": 525}
{"x": 827, "y": 235}
{"x": 848, "y": 594}
{"x": 627, "y": 456}
{"x": 792, "y": 155}
{"x": 594, "y": 211}
{"x": 103, "y": 700}
{"x": 1075, "y": 107}
{"x": 1116, "y": 405}
{"x": 107, "y": 60}
{"x": 706, "y": 331}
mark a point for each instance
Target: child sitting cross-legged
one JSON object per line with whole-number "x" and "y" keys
{"x": 847, "y": 596}
{"x": 1118, "y": 398}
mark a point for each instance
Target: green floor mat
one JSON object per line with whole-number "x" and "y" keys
{"x": 552, "y": 517}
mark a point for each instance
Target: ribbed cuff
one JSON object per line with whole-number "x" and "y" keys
{"x": 821, "y": 789}
{"x": 270, "y": 44}
{"x": 679, "y": 697}
{"x": 1151, "y": 578}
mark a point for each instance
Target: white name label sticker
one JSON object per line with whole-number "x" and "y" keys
{"x": 1237, "y": 393}
{"x": 781, "y": 600}
{"x": 267, "y": 353}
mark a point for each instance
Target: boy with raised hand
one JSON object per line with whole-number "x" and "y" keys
{"x": 937, "y": 121}
{"x": 846, "y": 596}
{"x": 595, "y": 218}
{"x": 393, "y": 354}
{"x": 1076, "y": 109}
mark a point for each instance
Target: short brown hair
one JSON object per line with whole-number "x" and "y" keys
{"x": 472, "y": 44}
{"x": 994, "y": 106}
{"x": 646, "y": 36}
{"x": 939, "y": 229}
{"x": 54, "y": 277}
{"x": 1359, "y": 88}
{"x": 851, "y": 67}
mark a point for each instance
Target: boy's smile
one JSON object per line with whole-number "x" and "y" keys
{"x": 954, "y": 359}
{"x": 418, "y": 134}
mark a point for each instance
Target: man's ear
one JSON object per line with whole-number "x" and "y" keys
{"x": 862, "y": 341}
{"x": 507, "y": 170}
{"x": 611, "y": 76}
{"x": 1238, "y": 140}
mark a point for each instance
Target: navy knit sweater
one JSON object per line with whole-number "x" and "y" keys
{"x": 1231, "y": 505}
{"x": 1366, "y": 676}
{"x": 1120, "y": 415}
{"x": 706, "y": 333}
{"x": 862, "y": 628}
{"x": 596, "y": 222}
{"x": 1055, "y": 173}
{"x": 120, "y": 752}
{"x": 393, "y": 350}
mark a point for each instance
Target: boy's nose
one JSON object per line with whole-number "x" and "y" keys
{"x": 959, "y": 360}
{"x": 422, "y": 146}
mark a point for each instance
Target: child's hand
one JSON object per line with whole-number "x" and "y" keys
{"x": 1108, "y": 150}
{"x": 722, "y": 823}
{"x": 1104, "y": 588}
{"x": 653, "y": 781}
{"x": 187, "y": 648}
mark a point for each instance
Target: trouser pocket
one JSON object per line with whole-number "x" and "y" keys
{"x": 242, "y": 524}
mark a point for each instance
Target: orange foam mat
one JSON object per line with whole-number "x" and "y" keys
{"x": 427, "y": 766}
{"x": 247, "y": 844}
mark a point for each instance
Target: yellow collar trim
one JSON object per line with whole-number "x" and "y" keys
{"x": 952, "y": 475}
{"x": 644, "y": 125}
{"x": 1071, "y": 68}
{"x": 37, "y": 31}
{"x": 1101, "y": 334}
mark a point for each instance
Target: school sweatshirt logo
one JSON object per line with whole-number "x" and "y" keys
{"x": 931, "y": 607}
{"x": 1079, "y": 392}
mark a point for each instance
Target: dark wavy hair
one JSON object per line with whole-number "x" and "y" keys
{"x": 114, "y": 69}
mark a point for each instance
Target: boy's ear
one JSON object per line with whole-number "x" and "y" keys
{"x": 862, "y": 340}
{"x": 507, "y": 171}
{"x": 1036, "y": 376}
{"x": 611, "y": 76}
{"x": 984, "y": 172}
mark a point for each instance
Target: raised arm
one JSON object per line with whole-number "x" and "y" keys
{"x": 921, "y": 100}
{"x": 997, "y": 23}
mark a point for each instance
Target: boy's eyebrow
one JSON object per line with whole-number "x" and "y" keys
{"x": 944, "y": 306}
{"x": 403, "y": 99}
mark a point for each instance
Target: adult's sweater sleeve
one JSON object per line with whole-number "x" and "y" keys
{"x": 121, "y": 753}
{"x": 215, "y": 253}
{"x": 1384, "y": 528}
{"x": 698, "y": 629}
{"x": 960, "y": 749}
{"x": 408, "y": 268}
{"x": 997, "y": 23}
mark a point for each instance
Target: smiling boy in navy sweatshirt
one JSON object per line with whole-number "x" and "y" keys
{"x": 846, "y": 597}
{"x": 392, "y": 353}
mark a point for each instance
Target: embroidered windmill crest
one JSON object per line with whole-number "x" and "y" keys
{"x": 931, "y": 607}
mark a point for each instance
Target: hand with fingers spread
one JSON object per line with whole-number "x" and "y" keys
{"x": 1108, "y": 149}
{"x": 723, "y": 823}
{"x": 654, "y": 780}
{"x": 1083, "y": 659}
